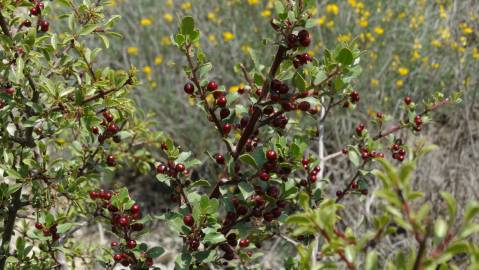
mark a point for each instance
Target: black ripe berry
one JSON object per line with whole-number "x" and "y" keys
{"x": 304, "y": 38}
{"x": 111, "y": 161}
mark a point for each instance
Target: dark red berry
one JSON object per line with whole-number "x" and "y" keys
{"x": 188, "y": 220}
{"x": 268, "y": 216}
{"x": 111, "y": 161}
{"x": 35, "y": 11}
{"x": 359, "y": 129}
{"x": 339, "y": 193}
{"x": 220, "y": 159}
{"x": 226, "y": 129}
{"x": 244, "y": 243}
{"x": 131, "y": 244}
{"x": 304, "y": 106}
{"x": 114, "y": 244}
{"x": 418, "y": 120}
{"x": 259, "y": 200}
{"x": 354, "y": 96}
{"x": 108, "y": 116}
{"x": 27, "y": 23}
{"x": 263, "y": 175}
{"x": 354, "y": 185}
{"x": 304, "y": 38}
{"x": 225, "y": 112}
{"x": 136, "y": 208}
{"x": 212, "y": 86}
{"x": 313, "y": 178}
{"x": 271, "y": 155}
{"x": 242, "y": 210}
{"x": 189, "y": 88}
{"x": 113, "y": 128}
{"x": 117, "y": 257}
{"x": 93, "y": 195}
{"x": 180, "y": 167}
{"x": 123, "y": 221}
{"x": 221, "y": 101}
{"x": 292, "y": 41}
{"x": 39, "y": 226}
{"x": 229, "y": 256}
{"x": 44, "y": 25}
{"x": 95, "y": 130}
{"x": 408, "y": 100}
{"x": 194, "y": 244}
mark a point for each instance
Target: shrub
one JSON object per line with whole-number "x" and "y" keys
{"x": 62, "y": 116}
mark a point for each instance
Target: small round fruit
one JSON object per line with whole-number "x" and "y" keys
{"x": 113, "y": 128}
{"x": 220, "y": 159}
{"x": 225, "y": 112}
{"x": 44, "y": 25}
{"x": 244, "y": 243}
{"x": 263, "y": 175}
{"x": 114, "y": 244}
{"x": 271, "y": 155}
{"x": 38, "y": 226}
{"x": 136, "y": 208}
{"x": 304, "y": 38}
{"x": 189, "y": 88}
{"x": 111, "y": 161}
{"x": 180, "y": 167}
{"x": 188, "y": 220}
{"x": 304, "y": 106}
{"x": 212, "y": 86}
{"x": 117, "y": 257}
{"x": 131, "y": 244}
{"x": 123, "y": 221}
{"x": 221, "y": 101}
{"x": 226, "y": 128}
{"x": 408, "y": 100}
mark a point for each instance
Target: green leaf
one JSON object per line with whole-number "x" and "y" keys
{"x": 299, "y": 81}
{"x": 248, "y": 159}
{"x": 345, "y": 57}
{"x": 354, "y": 156}
{"x": 187, "y": 26}
{"x": 88, "y": 29}
{"x": 246, "y": 189}
{"x": 155, "y": 252}
{"x": 440, "y": 228}
{"x": 451, "y": 206}
{"x": 200, "y": 183}
{"x": 371, "y": 261}
{"x": 212, "y": 236}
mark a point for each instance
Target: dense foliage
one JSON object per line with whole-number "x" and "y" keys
{"x": 67, "y": 123}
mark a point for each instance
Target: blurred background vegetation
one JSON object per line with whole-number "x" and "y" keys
{"x": 414, "y": 47}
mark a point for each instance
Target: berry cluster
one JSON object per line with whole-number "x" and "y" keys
{"x": 397, "y": 150}
{"x": 36, "y": 10}
{"x": 366, "y": 154}
{"x": 172, "y": 169}
{"x": 48, "y": 231}
{"x": 124, "y": 222}
{"x": 302, "y": 59}
{"x": 303, "y": 38}
{"x": 110, "y": 128}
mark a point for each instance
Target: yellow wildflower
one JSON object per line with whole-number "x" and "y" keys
{"x": 320, "y": 20}
{"x": 435, "y": 65}
{"x": 212, "y": 38}
{"x": 253, "y": 2}
{"x": 185, "y": 6}
{"x": 399, "y": 83}
{"x": 158, "y": 60}
{"x": 436, "y": 43}
{"x": 266, "y": 13}
{"x": 212, "y": 16}
{"x": 363, "y": 22}
{"x": 165, "y": 41}
{"x": 344, "y": 38}
{"x": 475, "y": 53}
{"x": 132, "y": 50}
{"x": 332, "y": 9}
{"x": 403, "y": 71}
{"x": 374, "y": 83}
{"x": 379, "y": 30}
{"x": 245, "y": 48}
{"x": 467, "y": 30}
{"x": 147, "y": 69}
{"x": 168, "y": 17}
{"x": 145, "y": 22}
{"x": 169, "y": 3}
{"x": 227, "y": 36}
